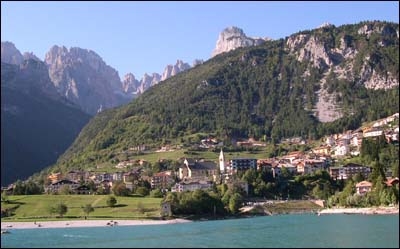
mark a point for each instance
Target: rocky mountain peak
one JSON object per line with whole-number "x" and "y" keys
{"x": 130, "y": 84}
{"x": 233, "y": 37}
{"x": 10, "y": 54}
{"x": 325, "y": 25}
{"x": 172, "y": 70}
{"x": 30, "y": 55}
{"x": 84, "y": 78}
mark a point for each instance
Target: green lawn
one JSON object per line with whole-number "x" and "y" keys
{"x": 175, "y": 155}
{"x": 208, "y": 155}
{"x": 36, "y": 207}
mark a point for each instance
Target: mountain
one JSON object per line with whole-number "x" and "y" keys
{"x": 234, "y": 37}
{"x": 37, "y": 124}
{"x": 134, "y": 87}
{"x": 170, "y": 70}
{"x": 275, "y": 90}
{"x": 85, "y": 79}
{"x": 10, "y": 54}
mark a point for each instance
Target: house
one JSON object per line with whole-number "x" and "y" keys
{"x": 162, "y": 180}
{"x": 55, "y": 177}
{"x": 189, "y": 185}
{"x": 267, "y": 164}
{"x": 56, "y": 186}
{"x": 342, "y": 150}
{"x": 322, "y": 150}
{"x": 242, "y": 164}
{"x": 197, "y": 169}
{"x": 82, "y": 190}
{"x": 291, "y": 156}
{"x": 77, "y": 175}
{"x": 131, "y": 176}
{"x": 310, "y": 166}
{"x": 348, "y": 170}
{"x": 372, "y": 132}
{"x": 292, "y": 169}
{"x": 117, "y": 176}
{"x": 356, "y": 138}
{"x": 330, "y": 140}
{"x": 106, "y": 185}
{"x": 363, "y": 187}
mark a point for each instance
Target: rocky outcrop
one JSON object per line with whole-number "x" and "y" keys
{"x": 10, "y": 54}
{"x": 30, "y": 55}
{"x": 130, "y": 84}
{"x": 148, "y": 81}
{"x": 234, "y": 37}
{"x": 172, "y": 70}
{"x": 309, "y": 48}
{"x": 341, "y": 59}
{"x": 84, "y": 78}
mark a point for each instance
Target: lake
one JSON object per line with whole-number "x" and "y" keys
{"x": 280, "y": 231}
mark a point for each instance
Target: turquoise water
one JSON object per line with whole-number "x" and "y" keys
{"x": 301, "y": 230}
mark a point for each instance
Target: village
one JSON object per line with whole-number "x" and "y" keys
{"x": 202, "y": 174}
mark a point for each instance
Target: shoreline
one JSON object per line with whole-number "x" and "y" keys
{"x": 368, "y": 210}
{"x": 85, "y": 223}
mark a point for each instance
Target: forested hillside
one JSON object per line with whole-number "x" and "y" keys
{"x": 37, "y": 124}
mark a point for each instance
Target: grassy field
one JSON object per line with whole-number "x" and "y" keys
{"x": 174, "y": 155}
{"x": 208, "y": 155}
{"x": 36, "y": 207}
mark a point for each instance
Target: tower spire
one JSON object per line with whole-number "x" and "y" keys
{"x": 221, "y": 162}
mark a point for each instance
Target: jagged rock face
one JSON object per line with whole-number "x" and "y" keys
{"x": 133, "y": 87}
{"x": 232, "y": 38}
{"x": 30, "y": 55}
{"x": 341, "y": 60}
{"x": 171, "y": 70}
{"x": 308, "y": 48}
{"x": 130, "y": 84}
{"x": 148, "y": 81}
{"x": 10, "y": 54}
{"x": 372, "y": 80}
{"x": 83, "y": 77}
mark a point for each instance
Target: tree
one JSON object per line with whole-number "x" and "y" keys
{"x": 142, "y": 191}
{"x": 59, "y": 209}
{"x": 156, "y": 193}
{"x": 4, "y": 197}
{"x": 120, "y": 189}
{"x": 111, "y": 201}
{"x": 87, "y": 209}
{"x": 235, "y": 202}
{"x": 140, "y": 207}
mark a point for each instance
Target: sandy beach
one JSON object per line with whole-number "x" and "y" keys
{"x": 371, "y": 210}
{"x": 85, "y": 223}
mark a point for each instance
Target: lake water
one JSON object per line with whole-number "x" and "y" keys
{"x": 281, "y": 231}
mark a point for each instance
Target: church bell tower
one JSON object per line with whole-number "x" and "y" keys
{"x": 222, "y": 162}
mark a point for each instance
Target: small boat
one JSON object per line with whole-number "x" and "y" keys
{"x": 4, "y": 231}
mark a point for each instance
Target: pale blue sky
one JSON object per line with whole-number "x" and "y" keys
{"x": 142, "y": 37}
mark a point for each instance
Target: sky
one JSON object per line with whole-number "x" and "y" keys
{"x": 144, "y": 37}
